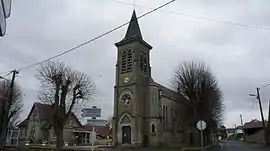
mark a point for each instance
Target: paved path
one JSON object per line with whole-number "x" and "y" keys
{"x": 228, "y": 146}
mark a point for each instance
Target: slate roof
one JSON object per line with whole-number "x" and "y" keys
{"x": 166, "y": 91}
{"x": 23, "y": 123}
{"x": 44, "y": 113}
{"x": 133, "y": 32}
{"x": 254, "y": 124}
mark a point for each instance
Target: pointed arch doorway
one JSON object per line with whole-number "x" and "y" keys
{"x": 126, "y": 134}
{"x": 126, "y": 129}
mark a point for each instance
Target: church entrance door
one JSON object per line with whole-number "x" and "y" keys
{"x": 126, "y": 135}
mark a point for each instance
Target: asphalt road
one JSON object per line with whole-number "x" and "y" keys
{"x": 241, "y": 146}
{"x": 228, "y": 146}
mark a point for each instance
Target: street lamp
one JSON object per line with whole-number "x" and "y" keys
{"x": 252, "y": 94}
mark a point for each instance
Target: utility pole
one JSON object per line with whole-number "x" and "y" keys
{"x": 260, "y": 105}
{"x": 241, "y": 118}
{"x": 261, "y": 110}
{"x": 235, "y": 132}
{"x": 268, "y": 125}
{"x": 242, "y": 126}
{"x": 7, "y": 105}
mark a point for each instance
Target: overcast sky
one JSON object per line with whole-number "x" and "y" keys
{"x": 239, "y": 56}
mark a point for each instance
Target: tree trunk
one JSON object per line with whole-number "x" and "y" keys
{"x": 3, "y": 130}
{"x": 59, "y": 137}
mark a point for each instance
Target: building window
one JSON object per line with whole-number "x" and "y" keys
{"x": 34, "y": 133}
{"x": 160, "y": 93}
{"x": 153, "y": 128}
{"x": 54, "y": 134}
{"x": 167, "y": 118}
{"x": 125, "y": 99}
{"x": 23, "y": 133}
{"x": 164, "y": 117}
{"x": 173, "y": 114}
{"x": 70, "y": 122}
{"x": 127, "y": 59}
{"x": 143, "y": 62}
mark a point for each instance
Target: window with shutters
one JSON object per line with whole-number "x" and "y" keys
{"x": 127, "y": 59}
{"x": 143, "y": 62}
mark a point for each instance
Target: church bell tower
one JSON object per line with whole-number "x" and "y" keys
{"x": 133, "y": 73}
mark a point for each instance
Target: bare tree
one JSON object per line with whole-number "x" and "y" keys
{"x": 203, "y": 98}
{"x": 63, "y": 89}
{"x": 13, "y": 111}
{"x": 110, "y": 121}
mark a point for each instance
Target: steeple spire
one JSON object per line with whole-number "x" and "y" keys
{"x": 133, "y": 33}
{"x": 133, "y": 30}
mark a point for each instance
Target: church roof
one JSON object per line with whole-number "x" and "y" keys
{"x": 133, "y": 32}
{"x": 168, "y": 92}
{"x": 165, "y": 91}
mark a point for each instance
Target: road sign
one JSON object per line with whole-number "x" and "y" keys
{"x": 91, "y": 112}
{"x": 201, "y": 125}
{"x": 2, "y": 20}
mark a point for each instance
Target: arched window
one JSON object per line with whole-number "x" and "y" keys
{"x": 164, "y": 117}
{"x": 143, "y": 62}
{"x": 153, "y": 128}
{"x": 125, "y": 99}
{"x": 127, "y": 59}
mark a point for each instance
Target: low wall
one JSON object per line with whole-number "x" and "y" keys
{"x": 257, "y": 137}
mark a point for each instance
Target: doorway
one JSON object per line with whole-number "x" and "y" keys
{"x": 126, "y": 135}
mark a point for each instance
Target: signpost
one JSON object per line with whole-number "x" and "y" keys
{"x": 92, "y": 112}
{"x": 201, "y": 125}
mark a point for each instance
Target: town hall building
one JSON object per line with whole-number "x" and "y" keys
{"x": 145, "y": 112}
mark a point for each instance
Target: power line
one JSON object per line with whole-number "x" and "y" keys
{"x": 98, "y": 37}
{"x": 198, "y": 17}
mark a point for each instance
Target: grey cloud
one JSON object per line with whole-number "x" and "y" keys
{"x": 238, "y": 56}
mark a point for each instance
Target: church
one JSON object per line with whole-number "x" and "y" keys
{"x": 145, "y": 112}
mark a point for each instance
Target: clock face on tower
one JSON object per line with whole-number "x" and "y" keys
{"x": 126, "y": 79}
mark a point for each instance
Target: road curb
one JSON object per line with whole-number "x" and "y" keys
{"x": 198, "y": 148}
